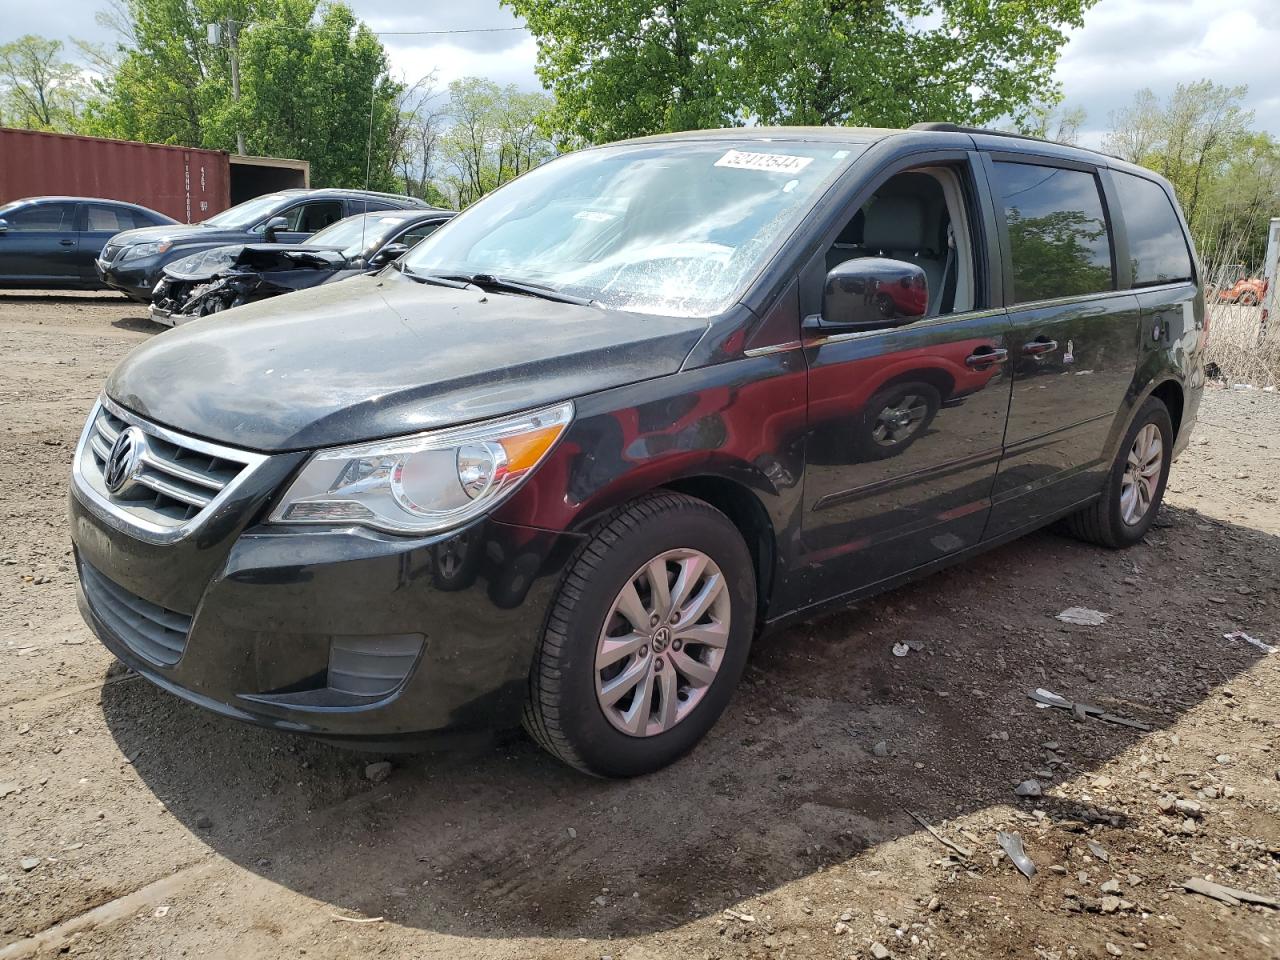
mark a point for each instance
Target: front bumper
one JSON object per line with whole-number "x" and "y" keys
{"x": 433, "y": 634}
{"x": 134, "y": 278}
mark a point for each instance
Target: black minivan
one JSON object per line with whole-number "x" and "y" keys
{"x": 568, "y": 457}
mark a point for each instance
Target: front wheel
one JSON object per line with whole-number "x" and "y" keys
{"x": 1135, "y": 483}
{"x": 646, "y": 640}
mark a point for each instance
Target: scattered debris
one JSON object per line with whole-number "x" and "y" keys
{"x": 1109, "y": 904}
{"x": 337, "y": 916}
{"x": 378, "y": 771}
{"x": 1114, "y": 950}
{"x": 1083, "y": 616}
{"x": 161, "y": 911}
{"x": 1082, "y": 711}
{"x": 901, "y": 649}
{"x": 964, "y": 852}
{"x": 29, "y": 863}
{"x": 573, "y": 834}
{"x": 1098, "y": 850}
{"x": 1029, "y": 788}
{"x": 7, "y": 788}
{"x": 881, "y": 749}
{"x": 1188, "y": 808}
{"x": 741, "y": 917}
{"x": 1235, "y": 635}
{"x": 879, "y": 951}
{"x": 1011, "y": 844}
{"x": 1228, "y": 895}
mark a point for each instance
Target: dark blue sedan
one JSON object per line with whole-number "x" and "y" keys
{"x": 53, "y": 241}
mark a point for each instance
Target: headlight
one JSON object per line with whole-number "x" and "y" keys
{"x": 139, "y": 250}
{"x": 424, "y": 483}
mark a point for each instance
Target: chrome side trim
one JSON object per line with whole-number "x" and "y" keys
{"x": 99, "y": 502}
{"x": 916, "y": 325}
{"x": 772, "y": 348}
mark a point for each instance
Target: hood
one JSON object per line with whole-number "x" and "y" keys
{"x": 256, "y": 257}
{"x": 385, "y": 355}
{"x": 178, "y": 233}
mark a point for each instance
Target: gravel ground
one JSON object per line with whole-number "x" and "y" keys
{"x": 134, "y": 825}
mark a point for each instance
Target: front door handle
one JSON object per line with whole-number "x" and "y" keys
{"x": 1037, "y": 347}
{"x": 67, "y": 243}
{"x": 990, "y": 356}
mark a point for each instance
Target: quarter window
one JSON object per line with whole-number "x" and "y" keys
{"x": 1058, "y": 235}
{"x": 1157, "y": 248}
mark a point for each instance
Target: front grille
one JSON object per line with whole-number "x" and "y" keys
{"x": 177, "y": 480}
{"x": 150, "y": 631}
{"x": 109, "y": 252}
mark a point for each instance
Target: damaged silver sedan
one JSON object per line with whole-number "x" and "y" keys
{"x": 220, "y": 278}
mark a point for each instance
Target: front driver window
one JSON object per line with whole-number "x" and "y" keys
{"x": 917, "y": 217}
{"x": 310, "y": 217}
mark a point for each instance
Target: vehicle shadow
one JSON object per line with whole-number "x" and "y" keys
{"x": 138, "y": 325}
{"x": 509, "y": 842}
{"x": 50, "y": 296}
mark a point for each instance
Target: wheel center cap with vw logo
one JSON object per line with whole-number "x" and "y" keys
{"x": 661, "y": 637}
{"x": 124, "y": 462}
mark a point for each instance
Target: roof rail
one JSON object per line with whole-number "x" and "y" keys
{"x": 940, "y": 126}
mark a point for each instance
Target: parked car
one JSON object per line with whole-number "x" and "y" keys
{"x": 224, "y": 277}
{"x": 563, "y": 461}
{"x": 54, "y": 241}
{"x": 132, "y": 261}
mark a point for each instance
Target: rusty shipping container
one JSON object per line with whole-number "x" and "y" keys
{"x": 187, "y": 183}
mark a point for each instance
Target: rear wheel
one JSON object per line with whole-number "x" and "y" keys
{"x": 1135, "y": 484}
{"x": 646, "y": 640}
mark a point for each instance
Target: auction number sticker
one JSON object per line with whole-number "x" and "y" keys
{"x": 769, "y": 162}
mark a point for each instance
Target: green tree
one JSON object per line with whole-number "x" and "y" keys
{"x": 1226, "y": 176}
{"x": 622, "y": 67}
{"x": 39, "y": 90}
{"x": 314, "y": 84}
{"x": 311, "y": 76}
{"x": 493, "y": 135}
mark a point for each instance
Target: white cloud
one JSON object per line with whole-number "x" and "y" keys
{"x": 1127, "y": 45}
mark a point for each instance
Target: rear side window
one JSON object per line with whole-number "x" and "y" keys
{"x": 1058, "y": 235}
{"x": 102, "y": 217}
{"x": 1157, "y": 246}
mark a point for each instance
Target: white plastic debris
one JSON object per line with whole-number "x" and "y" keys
{"x": 1235, "y": 635}
{"x": 1083, "y": 616}
{"x": 901, "y": 649}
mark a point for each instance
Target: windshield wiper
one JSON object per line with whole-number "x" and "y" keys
{"x": 456, "y": 283}
{"x": 487, "y": 281}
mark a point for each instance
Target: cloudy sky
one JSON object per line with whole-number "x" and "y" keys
{"x": 1125, "y": 45}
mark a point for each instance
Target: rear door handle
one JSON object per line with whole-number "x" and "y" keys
{"x": 67, "y": 243}
{"x": 986, "y": 359}
{"x": 1037, "y": 347}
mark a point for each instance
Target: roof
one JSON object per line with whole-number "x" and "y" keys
{"x": 350, "y": 192}
{"x": 51, "y": 198}
{"x": 933, "y": 133}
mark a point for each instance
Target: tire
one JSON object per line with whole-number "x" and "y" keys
{"x": 565, "y": 712}
{"x": 872, "y": 441}
{"x": 1103, "y": 522}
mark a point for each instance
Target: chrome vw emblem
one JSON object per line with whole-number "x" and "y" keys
{"x": 125, "y": 459}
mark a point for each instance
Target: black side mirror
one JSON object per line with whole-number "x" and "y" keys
{"x": 4, "y": 225}
{"x": 392, "y": 251}
{"x": 872, "y": 292}
{"x": 274, "y": 224}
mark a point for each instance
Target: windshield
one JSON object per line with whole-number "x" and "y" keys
{"x": 245, "y": 215}
{"x": 668, "y": 228}
{"x": 357, "y": 234}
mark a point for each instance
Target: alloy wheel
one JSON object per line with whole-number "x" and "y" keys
{"x": 662, "y": 643}
{"x": 1141, "y": 477}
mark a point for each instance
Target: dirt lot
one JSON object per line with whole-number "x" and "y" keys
{"x": 133, "y": 825}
